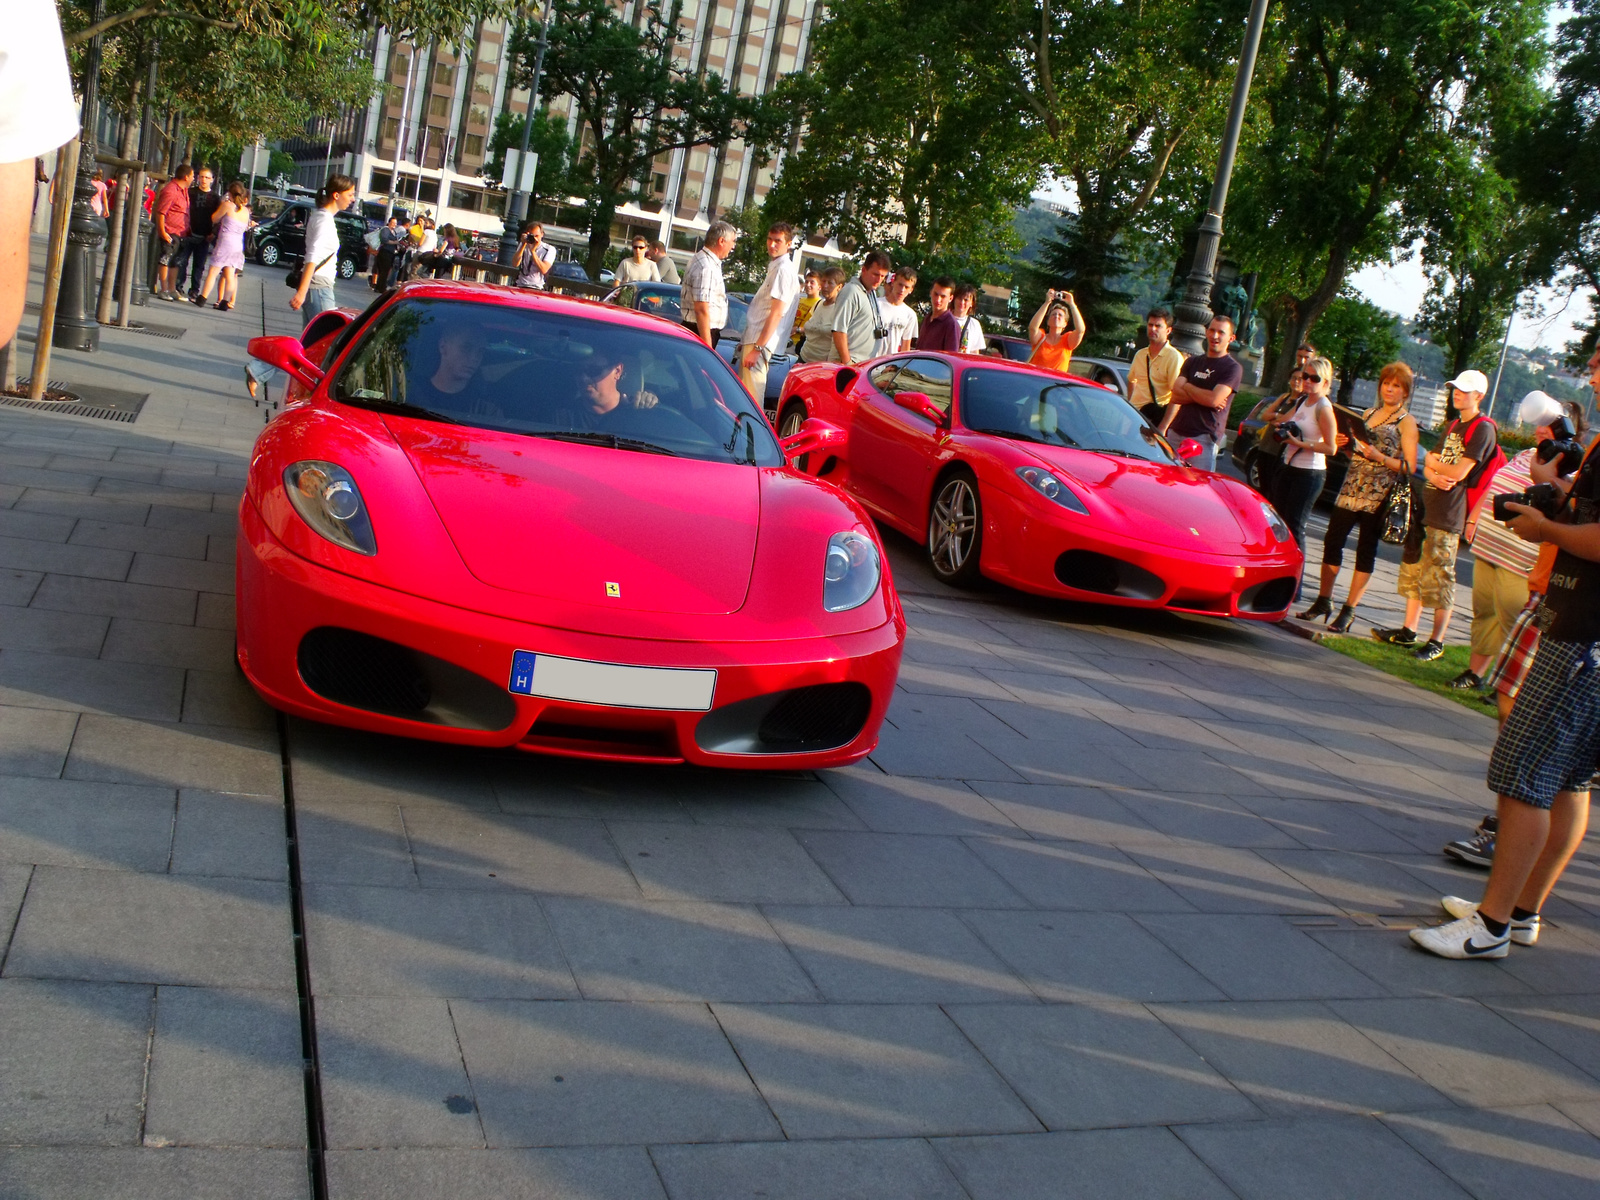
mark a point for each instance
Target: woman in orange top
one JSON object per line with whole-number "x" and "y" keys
{"x": 1049, "y": 331}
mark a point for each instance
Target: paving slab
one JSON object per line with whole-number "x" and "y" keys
{"x": 894, "y": 955}
{"x": 1077, "y": 875}
{"x": 1532, "y": 1150}
{"x": 149, "y": 1174}
{"x": 494, "y": 850}
{"x": 1337, "y": 1158}
{"x": 884, "y": 1070}
{"x": 229, "y": 833}
{"x": 90, "y": 685}
{"x": 752, "y": 866}
{"x": 1221, "y": 879}
{"x": 1390, "y": 958}
{"x": 1092, "y": 1164}
{"x": 675, "y": 950}
{"x": 1569, "y": 1025}
{"x": 72, "y": 1062}
{"x": 118, "y": 750}
{"x": 1089, "y": 1066}
{"x": 1260, "y": 957}
{"x": 607, "y": 1173}
{"x": 883, "y": 1168}
{"x": 1469, "y": 1052}
{"x": 1066, "y": 956}
{"x": 574, "y": 1073}
{"x": 880, "y": 868}
{"x": 225, "y": 1069}
{"x": 95, "y": 925}
{"x": 900, "y": 804}
{"x": 68, "y": 823}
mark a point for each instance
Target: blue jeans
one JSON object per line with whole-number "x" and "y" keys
{"x": 1294, "y": 491}
{"x": 318, "y": 301}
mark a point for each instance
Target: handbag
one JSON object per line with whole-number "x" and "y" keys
{"x": 294, "y": 275}
{"x": 1397, "y": 512}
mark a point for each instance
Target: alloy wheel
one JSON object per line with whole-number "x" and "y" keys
{"x": 953, "y": 528}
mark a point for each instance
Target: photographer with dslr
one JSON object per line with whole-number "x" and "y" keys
{"x": 1549, "y": 746}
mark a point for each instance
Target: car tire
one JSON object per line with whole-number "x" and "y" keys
{"x": 267, "y": 254}
{"x": 1252, "y": 473}
{"x": 955, "y": 529}
{"x": 793, "y": 417}
{"x": 347, "y": 268}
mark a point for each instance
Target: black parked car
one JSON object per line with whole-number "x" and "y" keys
{"x": 1249, "y": 455}
{"x": 283, "y": 239}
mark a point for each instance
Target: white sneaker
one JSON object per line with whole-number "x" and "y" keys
{"x": 1523, "y": 933}
{"x": 1466, "y": 938}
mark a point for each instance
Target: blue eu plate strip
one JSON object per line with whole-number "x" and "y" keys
{"x": 522, "y": 671}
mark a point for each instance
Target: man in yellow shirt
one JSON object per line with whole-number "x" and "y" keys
{"x": 1154, "y": 368}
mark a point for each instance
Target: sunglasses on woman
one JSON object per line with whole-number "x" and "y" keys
{"x": 1310, "y": 376}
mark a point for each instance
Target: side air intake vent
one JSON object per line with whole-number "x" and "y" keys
{"x": 824, "y": 716}
{"x": 1090, "y": 571}
{"x": 371, "y": 673}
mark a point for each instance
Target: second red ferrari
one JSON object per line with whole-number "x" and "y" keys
{"x": 1049, "y": 483}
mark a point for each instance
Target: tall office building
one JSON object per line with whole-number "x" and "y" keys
{"x": 426, "y": 132}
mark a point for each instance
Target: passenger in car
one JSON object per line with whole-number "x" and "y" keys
{"x": 454, "y": 385}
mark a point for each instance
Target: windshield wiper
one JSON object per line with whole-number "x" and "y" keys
{"x": 599, "y": 437}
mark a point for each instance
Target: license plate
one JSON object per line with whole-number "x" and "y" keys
{"x": 616, "y": 685}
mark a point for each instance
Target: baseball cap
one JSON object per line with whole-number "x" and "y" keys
{"x": 1471, "y": 381}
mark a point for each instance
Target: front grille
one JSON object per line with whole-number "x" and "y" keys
{"x": 816, "y": 718}
{"x": 363, "y": 671}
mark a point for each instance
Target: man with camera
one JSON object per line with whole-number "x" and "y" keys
{"x": 1549, "y": 747}
{"x": 858, "y": 323}
{"x": 1468, "y": 448}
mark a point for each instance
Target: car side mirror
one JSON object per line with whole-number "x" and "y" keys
{"x": 1189, "y": 448}
{"x": 815, "y": 434}
{"x": 921, "y": 404}
{"x": 289, "y": 356}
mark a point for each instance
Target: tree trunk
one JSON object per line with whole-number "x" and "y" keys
{"x": 1304, "y": 313}
{"x": 601, "y": 210}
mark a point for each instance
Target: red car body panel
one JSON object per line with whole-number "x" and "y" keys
{"x": 492, "y": 542}
{"x": 1202, "y": 536}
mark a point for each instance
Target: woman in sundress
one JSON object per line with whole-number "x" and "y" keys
{"x": 227, "y": 249}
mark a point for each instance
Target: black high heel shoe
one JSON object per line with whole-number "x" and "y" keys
{"x": 1345, "y": 619}
{"x": 1320, "y": 607}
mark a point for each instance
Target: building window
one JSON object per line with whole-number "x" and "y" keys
{"x": 391, "y": 130}
{"x": 439, "y": 106}
{"x": 444, "y": 74}
{"x": 477, "y": 115}
{"x": 378, "y": 182}
{"x": 472, "y": 145}
{"x": 489, "y": 52}
{"x": 484, "y": 82}
{"x": 402, "y": 64}
{"x": 658, "y": 183}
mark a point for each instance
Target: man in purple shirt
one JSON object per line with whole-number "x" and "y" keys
{"x": 1202, "y": 393}
{"x": 941, "y": 331}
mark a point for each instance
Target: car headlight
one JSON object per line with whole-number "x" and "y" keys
{"x": 327, "y": 498}
{"x": 1279, "y": 529}
{"x": 851, "y": 571}
{"x": 1051, "y": 488}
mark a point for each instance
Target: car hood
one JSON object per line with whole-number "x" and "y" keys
{"x": 589, "y": 524}
{"x": 1161, "y": 503}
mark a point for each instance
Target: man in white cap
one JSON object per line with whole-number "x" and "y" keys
{"x": 1469, "y": 448}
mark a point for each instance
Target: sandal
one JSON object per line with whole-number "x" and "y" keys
{"x": 223, "y": 306}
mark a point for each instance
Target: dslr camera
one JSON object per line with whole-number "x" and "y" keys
{"x": 1287, "y": 430}
{"x": 1546, "y": 498}
{"x": 1562, "y": 447}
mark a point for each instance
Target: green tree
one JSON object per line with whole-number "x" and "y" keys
{"x": 1363, "y": 103}
{"x": 548, "y": 139}
{"x": 911, "y": 134}
{"x": 1359, "y": 338}
{"x": 635, "y": 99}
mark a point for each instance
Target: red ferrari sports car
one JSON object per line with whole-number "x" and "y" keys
{"x": 1043, "y": 481}
{"x": 506, "y": 518}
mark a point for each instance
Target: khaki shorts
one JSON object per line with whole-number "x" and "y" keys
{"x": 1432, "y": 578}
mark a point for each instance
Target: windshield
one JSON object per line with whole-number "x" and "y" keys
{"x": 1043, "y": 408}
{"x": 561, "y": 376}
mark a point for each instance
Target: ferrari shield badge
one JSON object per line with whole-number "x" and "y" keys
{"x": 614, "y": 590}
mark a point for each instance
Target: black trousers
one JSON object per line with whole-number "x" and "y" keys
{"x": 1294, "y": 490}
{"x": 1369, "y": 527}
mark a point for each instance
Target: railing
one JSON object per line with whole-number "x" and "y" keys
{"x": 487, "y": 271}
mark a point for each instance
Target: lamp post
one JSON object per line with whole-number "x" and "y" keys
{"x": 1194, "y": 310}
{"x": 75, "y": 326}
{"x": 517, "y": 202}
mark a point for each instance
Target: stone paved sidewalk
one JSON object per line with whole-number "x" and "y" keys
{"x": 1116, "y": 909}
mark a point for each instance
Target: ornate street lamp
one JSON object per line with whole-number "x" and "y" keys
{"x": 1194, "y": 310}
{"x": 75, "y": 327}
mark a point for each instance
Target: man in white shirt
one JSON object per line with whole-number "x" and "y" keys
{"x": 705, "y": 297}
{"x": 37, "y": 114}
{"x": 962, "y": 303}
{"x": 771, "y": 314}
{"x": 899, "y": 318}
{"x": 637, "y": 267}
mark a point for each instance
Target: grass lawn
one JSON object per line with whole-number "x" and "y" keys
{"x": 1399, "y": 662}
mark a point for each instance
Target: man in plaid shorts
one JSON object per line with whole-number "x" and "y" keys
{"x": 1549, "y": 747}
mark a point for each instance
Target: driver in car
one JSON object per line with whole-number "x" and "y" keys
{"x": 604, "y": 404}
